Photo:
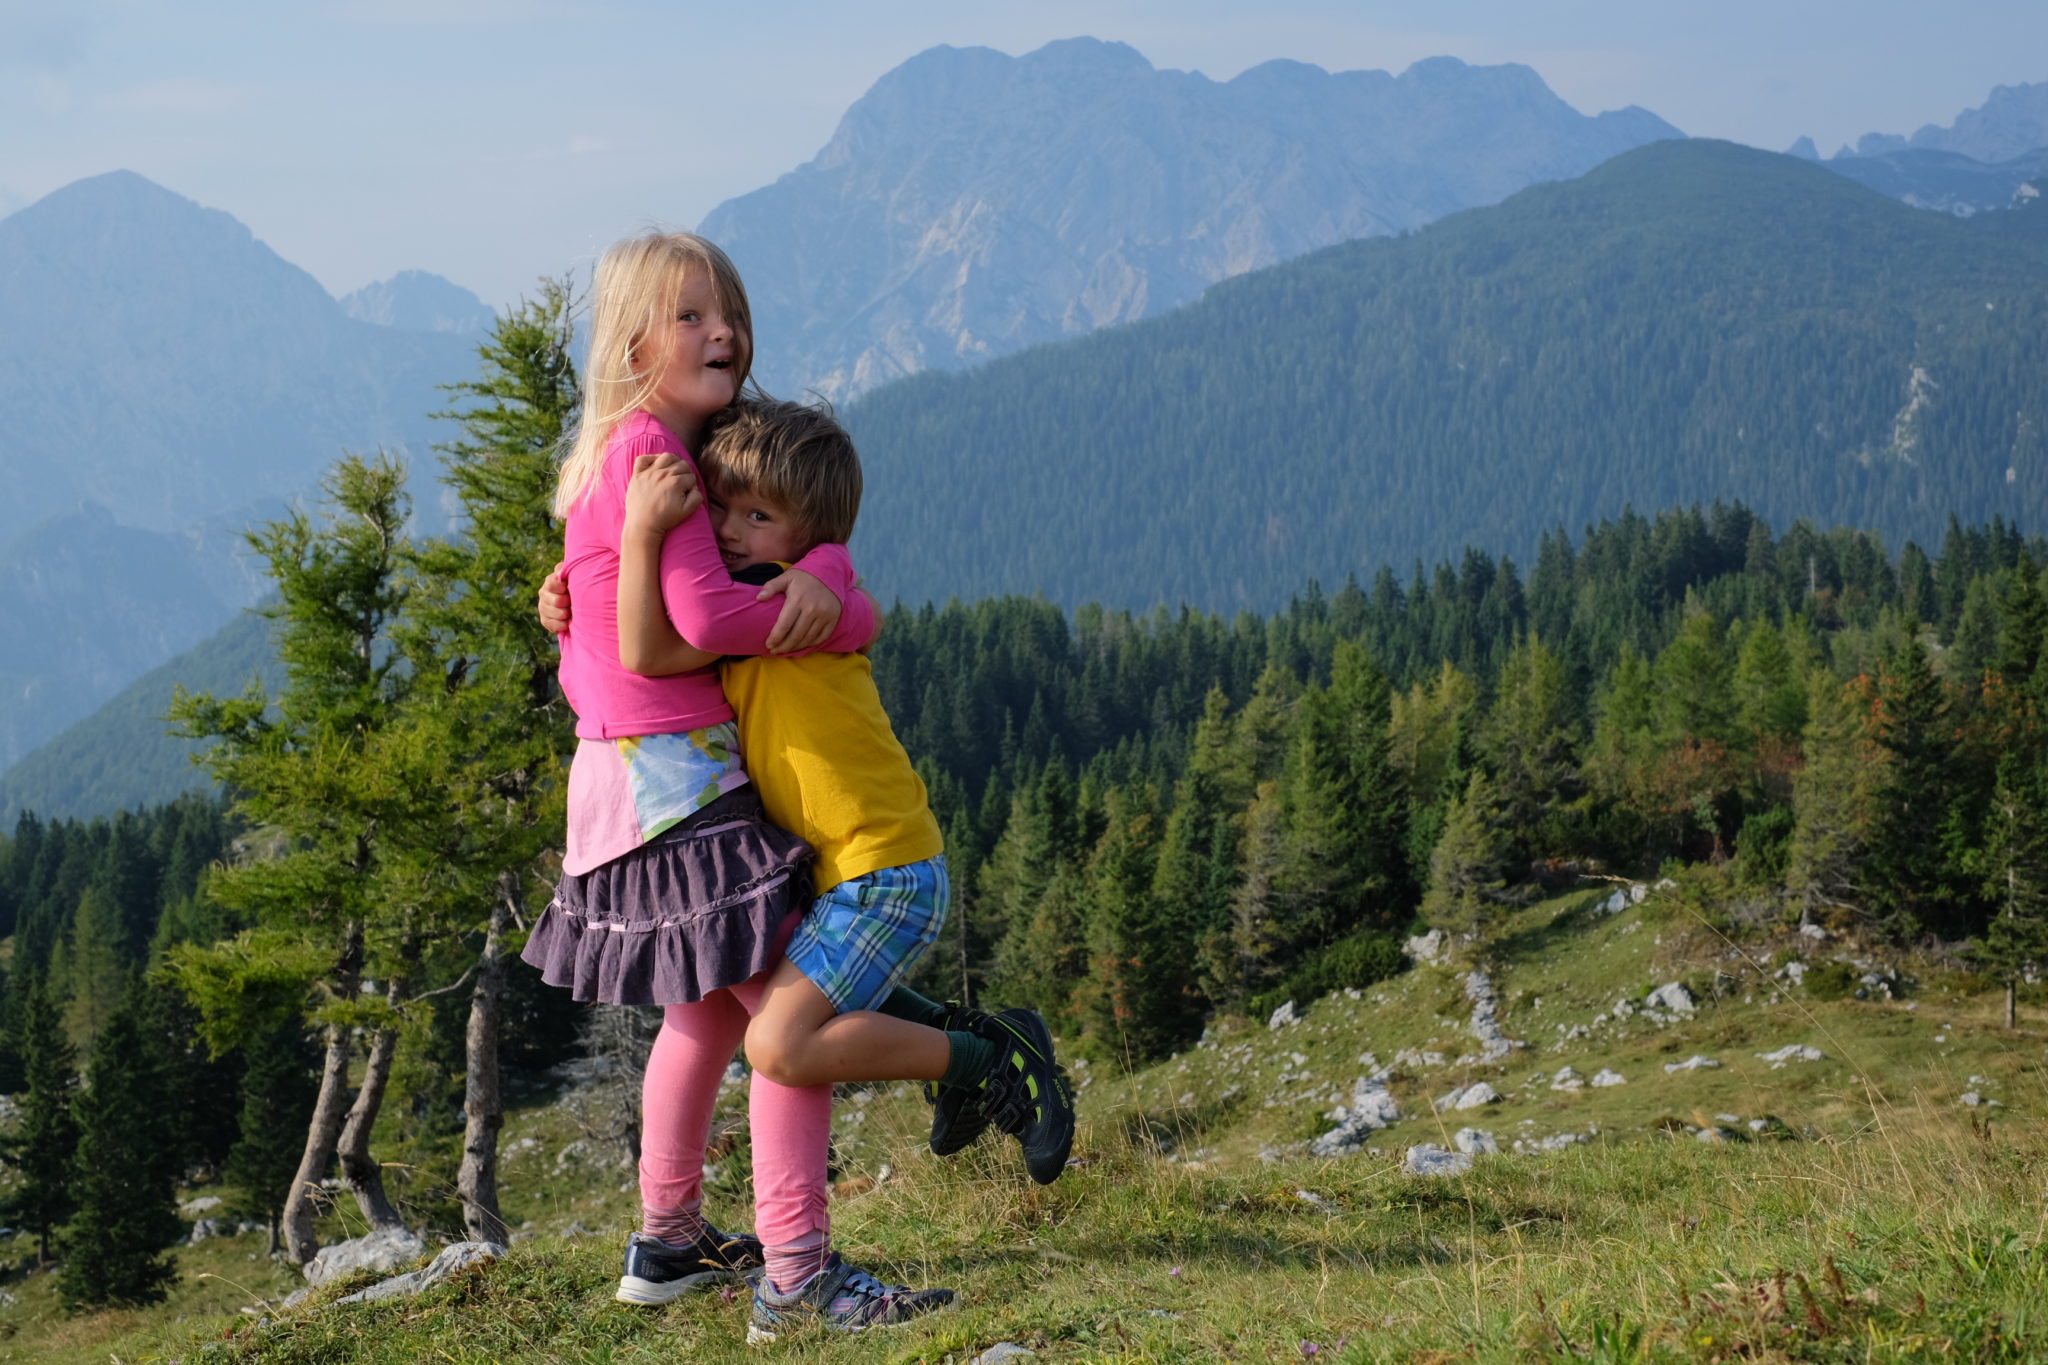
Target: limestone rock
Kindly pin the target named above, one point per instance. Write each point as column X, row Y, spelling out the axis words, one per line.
column 1792, row 1052
column 1429, row 1159
column 1604, row 1078
column 1476, row 1096
column 452, row 1258
column 1671, row 997
column 1475, row 1142
column 383, row 1249
column 1283, row 1016
column 1696, row 1062
column 1431, row 947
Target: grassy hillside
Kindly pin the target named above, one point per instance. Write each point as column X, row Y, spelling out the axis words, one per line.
column 1691, row 321
column 1876, row 1218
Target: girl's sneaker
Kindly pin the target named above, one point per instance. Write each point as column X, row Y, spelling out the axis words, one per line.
column 839, row 1298
column 657, row 1272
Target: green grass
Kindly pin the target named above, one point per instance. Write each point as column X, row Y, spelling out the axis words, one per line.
column 1904, row 1227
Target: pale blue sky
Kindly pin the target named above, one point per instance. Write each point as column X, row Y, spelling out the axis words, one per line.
column 494, row 140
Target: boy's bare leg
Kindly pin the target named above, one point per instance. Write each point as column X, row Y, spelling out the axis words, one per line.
column 797, row 1039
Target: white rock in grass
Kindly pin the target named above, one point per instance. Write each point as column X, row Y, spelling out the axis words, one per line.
column 1475, row 1142
column 1792, row 1052
column 1671, row 996
column 1692, row 1063
column 452, row 1258
column 1429, row 1159
column 1447, row 1100
column 1001, row 1352
column 384, row 1249
column 1477, row 1095
column 1971, row 1099
column 1814, row 932
column 192, row 1208
column 1604, row 1078
column 1567, row 1079
column 1283, row 1016
column 1429, row 947
column 209, row 1227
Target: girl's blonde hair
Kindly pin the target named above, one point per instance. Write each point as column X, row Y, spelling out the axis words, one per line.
column 638, row 283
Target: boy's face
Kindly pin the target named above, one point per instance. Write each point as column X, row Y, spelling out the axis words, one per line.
column 752, row 530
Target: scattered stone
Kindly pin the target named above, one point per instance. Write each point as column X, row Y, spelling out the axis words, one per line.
column 1372, row 1108
column 1692, row 1063
column 1980, row 1080
column 1814, row 932
column 1494, row 1044
column 1429, row 1159
column 297, row 1297
column 1475, row 1142
column 1792, row 1052
column 1283, row 1016
column 1408, row 1059
column 1003, row 1351
column 452, row 1258
column 1556, row 1143
column 1446, row 1100
column 192, row 1208
column 1314, row 1200
column 1717, row 1134
column 209, row 1227
column 1604, row 1078
column 1971, row 1099
column 1615, row 903
column 383, row 1249
column 1672, row 996
column 1431, row 947
column 1624, row 1008
column 1567, row 1079
column 1476, row 1096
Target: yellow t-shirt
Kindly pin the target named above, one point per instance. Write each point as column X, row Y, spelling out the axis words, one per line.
column 828, row 767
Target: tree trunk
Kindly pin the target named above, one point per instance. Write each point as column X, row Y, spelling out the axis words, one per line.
column 484, row 1115
column 365, row 1177
column 329, row 1113
column 2012, row 1003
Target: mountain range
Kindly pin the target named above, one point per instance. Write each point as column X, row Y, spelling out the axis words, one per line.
column 1691, row 321
column 973, row 203
column 1978, row 162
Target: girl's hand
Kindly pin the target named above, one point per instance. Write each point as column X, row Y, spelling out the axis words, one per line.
column 553, row 602
column 810, row 611
column 663, row 491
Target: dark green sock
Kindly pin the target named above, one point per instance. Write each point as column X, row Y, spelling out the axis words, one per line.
column 973, row 1058
column 905, row 1003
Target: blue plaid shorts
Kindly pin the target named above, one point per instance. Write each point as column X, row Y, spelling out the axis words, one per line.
column 860, row 937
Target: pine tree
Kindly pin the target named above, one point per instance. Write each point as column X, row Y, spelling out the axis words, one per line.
column 1530, row 738
column 1834, row 795
column 1465, row 869
column 1136, row 1006
column 127, row 1214
column 1910, row 872
column 496, row 734
column 2015, row 866
column 279, row 1086
column 324, row 764
column 90, row 966
column 1249, row 958
column 44, row 1151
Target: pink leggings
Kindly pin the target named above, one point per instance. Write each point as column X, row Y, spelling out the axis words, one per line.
column 791, row 1127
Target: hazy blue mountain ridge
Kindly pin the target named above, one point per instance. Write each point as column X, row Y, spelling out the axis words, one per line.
column 167, row 379
column 2011, row 122
column 418, row 301
column 1973, row 165
column 972, row 203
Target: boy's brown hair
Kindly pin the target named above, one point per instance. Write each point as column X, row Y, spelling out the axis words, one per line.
column 791, row 454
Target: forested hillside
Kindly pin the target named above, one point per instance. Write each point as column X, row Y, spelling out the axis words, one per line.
column 1691, row 321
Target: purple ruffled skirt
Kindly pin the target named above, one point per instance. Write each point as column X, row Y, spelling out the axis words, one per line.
column 695, row 909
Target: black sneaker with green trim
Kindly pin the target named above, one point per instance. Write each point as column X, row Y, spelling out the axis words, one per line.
column 1027, row 1095
column 958, row 1120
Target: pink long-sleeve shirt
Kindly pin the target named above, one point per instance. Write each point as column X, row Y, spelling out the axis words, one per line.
column 708, row 609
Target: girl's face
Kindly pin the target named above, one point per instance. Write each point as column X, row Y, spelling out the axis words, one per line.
column 694, row 359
